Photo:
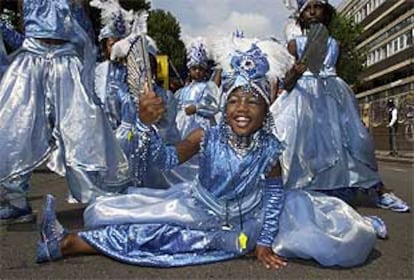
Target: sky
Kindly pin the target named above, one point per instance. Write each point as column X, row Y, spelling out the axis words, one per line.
column 209, row 18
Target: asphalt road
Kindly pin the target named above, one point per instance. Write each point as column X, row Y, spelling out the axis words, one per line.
column 391, row 259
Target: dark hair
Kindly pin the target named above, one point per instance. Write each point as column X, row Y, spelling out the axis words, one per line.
column 390, row 102
column 330, row 13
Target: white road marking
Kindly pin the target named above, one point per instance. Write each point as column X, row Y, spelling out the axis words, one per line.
column 400, row 170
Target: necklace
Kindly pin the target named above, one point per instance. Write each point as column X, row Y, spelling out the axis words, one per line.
column 242, row 145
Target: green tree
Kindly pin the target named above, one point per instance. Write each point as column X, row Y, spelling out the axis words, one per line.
column 164, row 28
column 351, row 61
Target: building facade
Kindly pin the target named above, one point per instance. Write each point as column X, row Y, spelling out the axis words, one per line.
column 387, row 38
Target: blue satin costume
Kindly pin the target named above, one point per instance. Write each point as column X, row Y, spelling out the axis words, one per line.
column 112, row 90
column 200, row 221
column 206, row 102
column 204, row 95
column 49, row 111
column 328, row 147
column 4, row 59
column 11, row 38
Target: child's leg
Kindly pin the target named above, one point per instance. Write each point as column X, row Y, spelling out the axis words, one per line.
column 72, row 245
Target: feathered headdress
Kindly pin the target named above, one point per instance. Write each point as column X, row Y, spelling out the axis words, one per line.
column 197, row 53
column 115, row 20
column 251, row 64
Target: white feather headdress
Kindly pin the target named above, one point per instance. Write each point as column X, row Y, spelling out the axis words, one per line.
column 116, row 21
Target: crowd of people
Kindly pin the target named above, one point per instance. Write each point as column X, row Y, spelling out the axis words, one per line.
column 261, row 154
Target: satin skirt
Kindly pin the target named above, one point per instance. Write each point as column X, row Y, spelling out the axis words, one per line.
column 323, row 228
column 166, row 228
column 327, row 145
column 44, row 107
column 172, row 228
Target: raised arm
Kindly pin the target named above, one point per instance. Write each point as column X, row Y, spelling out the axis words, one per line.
column 296, row 71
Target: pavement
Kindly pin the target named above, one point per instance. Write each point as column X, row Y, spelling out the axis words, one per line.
column 401, row 157
column 390, row 259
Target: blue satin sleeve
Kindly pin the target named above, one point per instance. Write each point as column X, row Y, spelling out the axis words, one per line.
column 273, row 205
column 163, row 156
column 11, row 37
column 159, row 154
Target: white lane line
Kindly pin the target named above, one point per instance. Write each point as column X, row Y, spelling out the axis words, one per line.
column 400, row 170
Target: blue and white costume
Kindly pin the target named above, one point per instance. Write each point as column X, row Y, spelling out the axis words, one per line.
column 11, row 37
column 202, row 94
column 201, row 221
column 205, row 96
column 4, row 58
column 47, row 105
column 122, row 113
column 112, row 89
column 328, row 147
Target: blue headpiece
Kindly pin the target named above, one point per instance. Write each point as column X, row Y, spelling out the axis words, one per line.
column 303, row 3
column 197, row 55
column 115, row 20
column 249, row 71
column 251, row 64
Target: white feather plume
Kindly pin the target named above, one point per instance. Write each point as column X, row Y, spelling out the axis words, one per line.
column 280, row 60
column 121, row 48
column 109, row 8
column 292, row 29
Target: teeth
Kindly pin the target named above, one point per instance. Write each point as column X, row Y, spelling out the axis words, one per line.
column 242, row 121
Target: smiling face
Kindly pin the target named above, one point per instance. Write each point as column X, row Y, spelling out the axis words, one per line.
column 245, row 112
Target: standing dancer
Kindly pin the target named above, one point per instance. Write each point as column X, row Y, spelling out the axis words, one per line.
column 48, row 111
column 198, row 101
column 328, row 147
column 113, row 90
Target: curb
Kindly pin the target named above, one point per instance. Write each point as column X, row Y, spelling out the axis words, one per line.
column 395, row 159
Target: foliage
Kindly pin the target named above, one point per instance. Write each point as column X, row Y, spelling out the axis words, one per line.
column 351, row 61
column 164, row 28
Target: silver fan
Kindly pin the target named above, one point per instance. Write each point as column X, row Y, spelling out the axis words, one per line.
column 316, row 47
column 138, row 62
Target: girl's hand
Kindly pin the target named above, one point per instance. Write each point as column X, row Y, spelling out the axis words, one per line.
column 269, row 259
column 190, row 110
column 151, row 107
column 293, row 75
